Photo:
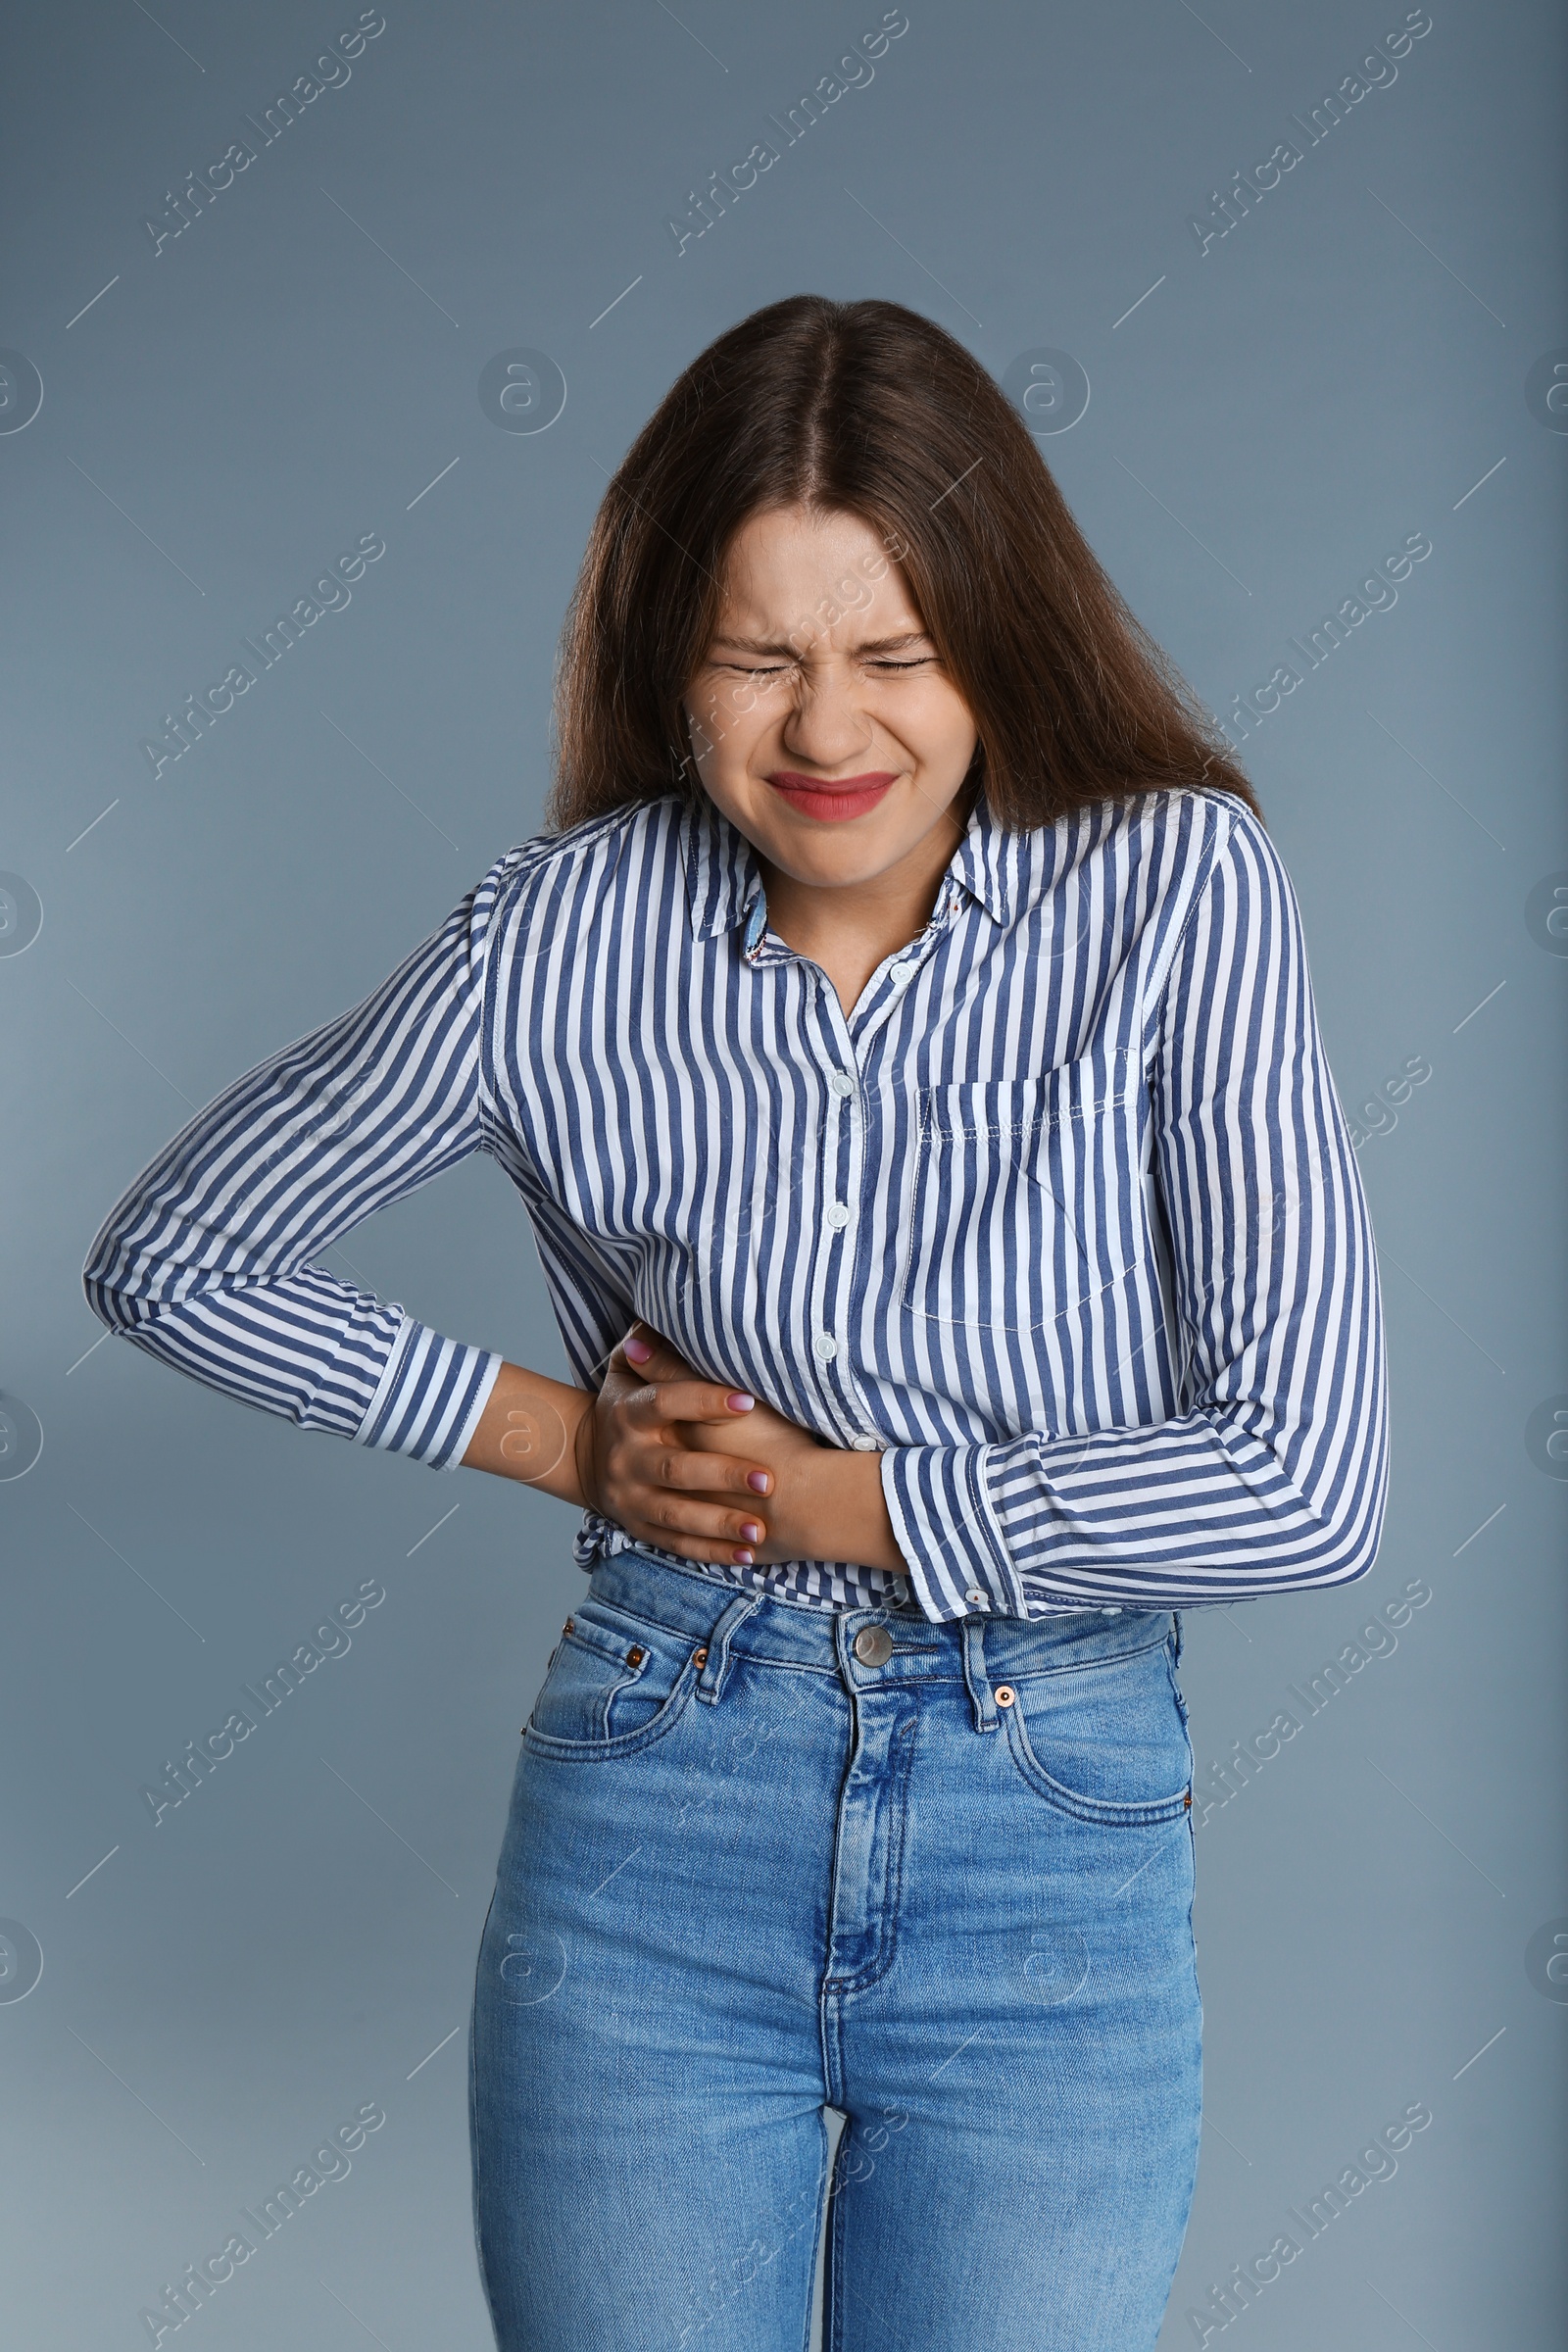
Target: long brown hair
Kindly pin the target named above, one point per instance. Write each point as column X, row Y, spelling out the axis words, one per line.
column 867, row 408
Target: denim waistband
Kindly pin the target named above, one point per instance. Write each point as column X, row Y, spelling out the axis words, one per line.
column 786, row 1632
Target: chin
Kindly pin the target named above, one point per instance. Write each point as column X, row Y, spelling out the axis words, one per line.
column 837, row 861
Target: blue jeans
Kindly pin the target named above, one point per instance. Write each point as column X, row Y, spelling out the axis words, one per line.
column 762, row 1859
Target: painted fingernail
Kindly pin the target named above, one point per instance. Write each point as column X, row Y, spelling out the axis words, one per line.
column 752, row 1532
column 756, row 1480
column 737, row 1401
column 639, row 1351
column 743, row 1559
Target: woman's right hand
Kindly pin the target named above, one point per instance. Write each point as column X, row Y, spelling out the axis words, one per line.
column 637, row 1466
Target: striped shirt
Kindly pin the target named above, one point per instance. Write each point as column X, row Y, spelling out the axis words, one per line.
column 1061, row 1219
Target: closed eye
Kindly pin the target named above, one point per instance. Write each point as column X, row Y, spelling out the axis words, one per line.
column 781, row 669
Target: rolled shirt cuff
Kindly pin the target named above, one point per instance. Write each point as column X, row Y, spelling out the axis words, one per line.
column 430, row 1397
column 944, row 1523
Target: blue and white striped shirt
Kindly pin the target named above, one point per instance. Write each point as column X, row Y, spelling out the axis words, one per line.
column 1062, row 1218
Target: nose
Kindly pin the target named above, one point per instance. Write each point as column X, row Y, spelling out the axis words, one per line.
column 825, row 727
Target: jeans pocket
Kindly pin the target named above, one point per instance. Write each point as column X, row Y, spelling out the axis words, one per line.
column 614, row 1684
column 1106, row 1741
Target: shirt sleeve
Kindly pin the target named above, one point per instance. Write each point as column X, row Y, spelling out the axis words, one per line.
column 1273, row 1477
column 205, row 1261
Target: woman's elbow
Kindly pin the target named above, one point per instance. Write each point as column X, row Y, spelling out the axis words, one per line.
column 105, row 1292
column 1352, row 1532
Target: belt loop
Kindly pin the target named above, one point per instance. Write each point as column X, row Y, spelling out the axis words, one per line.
column 974, row 1674
column 1176, row 1621
column 711, row 1682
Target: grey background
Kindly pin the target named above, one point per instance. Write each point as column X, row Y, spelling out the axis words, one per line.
column 292, row 371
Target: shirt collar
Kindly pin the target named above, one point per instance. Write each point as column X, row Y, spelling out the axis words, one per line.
column 723, row 877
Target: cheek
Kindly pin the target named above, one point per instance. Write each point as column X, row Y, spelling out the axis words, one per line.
column 730, row 714
column 935, row 724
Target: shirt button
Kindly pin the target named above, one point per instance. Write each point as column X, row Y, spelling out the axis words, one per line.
column 827, row 1347
column 976, row 1601
column 863, row 1444
column 840, row 1084
column 838, row 1216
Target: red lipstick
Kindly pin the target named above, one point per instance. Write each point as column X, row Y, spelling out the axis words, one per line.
column 833, row 800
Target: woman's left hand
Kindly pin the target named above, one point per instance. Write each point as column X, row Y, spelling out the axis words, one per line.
column 643, row 1463
column 821, row 1501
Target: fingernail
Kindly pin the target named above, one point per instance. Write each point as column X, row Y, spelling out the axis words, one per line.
column 743, row 1559
column 639, row 1351
column 752, row 1532
column 737, row 1401
column 756, row 1480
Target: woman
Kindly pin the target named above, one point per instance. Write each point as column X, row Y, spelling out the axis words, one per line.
column 902, row 1043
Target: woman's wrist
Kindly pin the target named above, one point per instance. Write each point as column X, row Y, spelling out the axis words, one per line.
column 532, row 1430
column 837, row 1511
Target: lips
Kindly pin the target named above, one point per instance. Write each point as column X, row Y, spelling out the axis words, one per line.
column 831, row 801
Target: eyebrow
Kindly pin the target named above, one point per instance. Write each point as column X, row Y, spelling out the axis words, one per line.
column 786, row 651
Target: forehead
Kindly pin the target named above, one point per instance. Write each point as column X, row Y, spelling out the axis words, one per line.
column 786, row 560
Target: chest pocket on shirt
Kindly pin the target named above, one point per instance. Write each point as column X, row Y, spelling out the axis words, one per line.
column 1027, row 1198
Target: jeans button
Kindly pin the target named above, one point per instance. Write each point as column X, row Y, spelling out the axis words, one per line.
column 873, row 1646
